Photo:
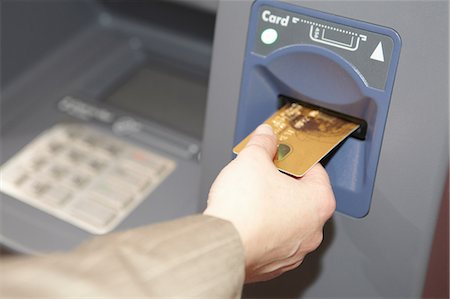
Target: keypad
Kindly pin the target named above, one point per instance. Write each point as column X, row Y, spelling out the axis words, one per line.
column 83, row 176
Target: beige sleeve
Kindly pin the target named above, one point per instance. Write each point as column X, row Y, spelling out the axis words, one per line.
column 197, row 256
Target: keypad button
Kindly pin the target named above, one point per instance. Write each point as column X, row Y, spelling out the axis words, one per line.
column 57, row 195
column 58, row 171
column 113, row 188
column 90, row 210
column 146, row 162
column 73, row 132
column 21, row 179
column 105, row 145
column 14, row 175
column 114, row 149
column 77, row 181
column 36, row 187
column 55, row 147
column 138, row 169
column 97, row 165
column 142, row 158
column 111, row 196
column 110, row 148
column 75, row 156
column 90, row 141
column 129, row 176
column 39, row 162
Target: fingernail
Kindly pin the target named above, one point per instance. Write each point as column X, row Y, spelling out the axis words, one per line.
column 264, row 129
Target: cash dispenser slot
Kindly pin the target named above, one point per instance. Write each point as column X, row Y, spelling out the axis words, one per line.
column 360, row 133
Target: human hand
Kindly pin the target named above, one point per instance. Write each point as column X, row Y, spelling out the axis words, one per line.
column 280, row 218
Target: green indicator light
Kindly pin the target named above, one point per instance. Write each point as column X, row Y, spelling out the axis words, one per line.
column 269, row 36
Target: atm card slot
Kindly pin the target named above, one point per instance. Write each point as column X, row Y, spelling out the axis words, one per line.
column 360, row 133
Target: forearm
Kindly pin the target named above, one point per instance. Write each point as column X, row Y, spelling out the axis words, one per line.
column 197, row 256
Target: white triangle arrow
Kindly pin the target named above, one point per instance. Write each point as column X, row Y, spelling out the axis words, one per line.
column 378, row 53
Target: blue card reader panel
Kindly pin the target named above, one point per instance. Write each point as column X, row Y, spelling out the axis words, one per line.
column 340, row 64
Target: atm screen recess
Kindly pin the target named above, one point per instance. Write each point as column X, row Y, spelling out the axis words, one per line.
column 342, row 66
column 142, row 103
column 149, row 93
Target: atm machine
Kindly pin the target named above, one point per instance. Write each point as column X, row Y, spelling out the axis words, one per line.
column 133, row 99
column 384, row 64
column 103, row 107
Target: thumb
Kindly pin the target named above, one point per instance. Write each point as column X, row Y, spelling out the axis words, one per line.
column 262, row 141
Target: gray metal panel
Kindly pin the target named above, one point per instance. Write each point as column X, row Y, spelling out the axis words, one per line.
column 29, row 107
column 223, row 93
column 386, row 253
column 26, row 39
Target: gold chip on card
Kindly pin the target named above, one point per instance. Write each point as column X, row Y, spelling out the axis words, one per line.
column 305, row 136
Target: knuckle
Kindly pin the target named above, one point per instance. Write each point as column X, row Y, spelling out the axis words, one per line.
column 314, row 242
column 288, row 265
column 330, row 205
column 263, row 140
column 326, row 204
column 319, row 175
column 292, row 266
column 254, row 151
column 317, row 240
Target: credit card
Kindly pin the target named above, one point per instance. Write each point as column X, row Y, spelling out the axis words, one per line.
column 305, row 136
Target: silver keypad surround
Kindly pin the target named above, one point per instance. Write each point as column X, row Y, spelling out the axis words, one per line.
column 83, row 176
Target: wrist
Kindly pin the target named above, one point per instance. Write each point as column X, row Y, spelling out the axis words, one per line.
column 239, row 228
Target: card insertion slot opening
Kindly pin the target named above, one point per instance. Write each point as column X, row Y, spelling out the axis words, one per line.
column 360, row 133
